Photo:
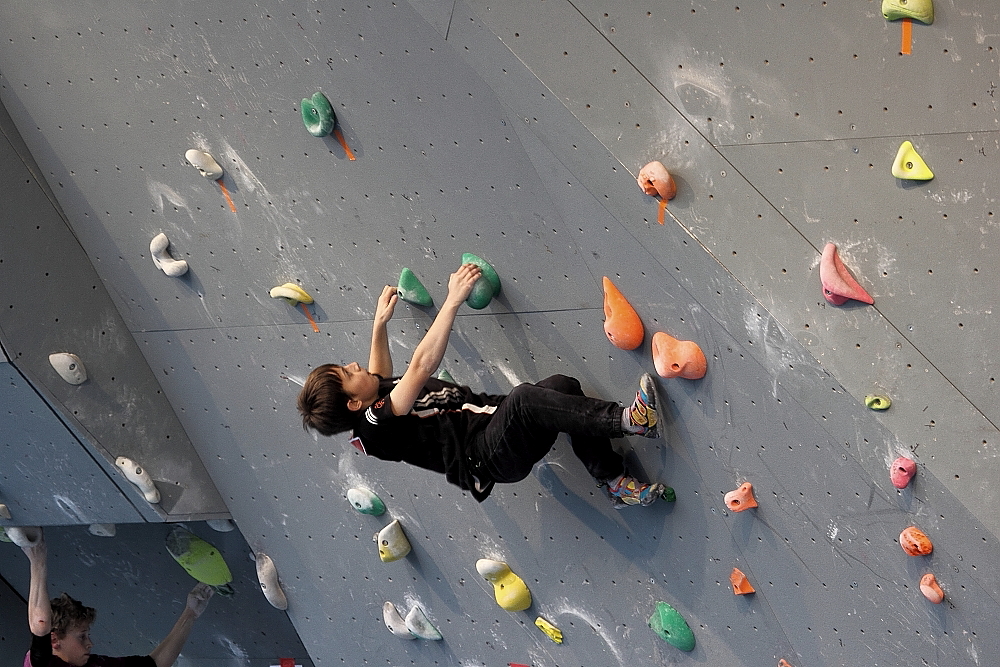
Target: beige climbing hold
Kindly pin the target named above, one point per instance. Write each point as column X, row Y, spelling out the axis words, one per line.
column 392, row 542
column 421, row 626
column 4, row 512
column 24, row 536
column 102, row 529
column 204, row 163
column 291, row 293
column 69, row 367
column 395, row 622
column 930, row 588
column 136, row 474
column 162, row 259
column 510, row 590
column 267, row 575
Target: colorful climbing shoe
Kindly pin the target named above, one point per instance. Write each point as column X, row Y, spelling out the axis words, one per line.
column 915, row 542
column 654, row 179
column 392, row 542
column 741, row 498
column 909, row 165
column 395, row 622
column 162, row 259
column 902, row 471
column 621, row 323
column 204, row 163
column 741, row 585
column 626, row 491
column 136, row 474
column 919, row 10
column 267, row 576
column 877, row 402
column 671, row 627
column 411, row 290
column 488, row 285
column 366, row 502
column 678, row 358
column 930, row 588
column 291, row 294
column 317, row 115
column 640, row 417
column 510, row 590
column 200, row 559
column 69, row 367
column 838, row 283
column 551, row 631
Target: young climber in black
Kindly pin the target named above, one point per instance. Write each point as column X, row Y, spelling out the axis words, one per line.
column 476, row 440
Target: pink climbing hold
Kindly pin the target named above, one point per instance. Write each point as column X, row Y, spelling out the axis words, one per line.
column 654, row 179
column 902, row 471
column 931, row 589
column 838, row 283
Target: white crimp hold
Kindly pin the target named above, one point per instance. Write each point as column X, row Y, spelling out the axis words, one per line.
column 102, row 529
column 418, row 623
column 69, row 367
column 138, row 476
column 395, row 622
column 162, row 259
column 24, row 536
column 221, row 525
column 204, row 163
column 4, row 511
column 267, row 575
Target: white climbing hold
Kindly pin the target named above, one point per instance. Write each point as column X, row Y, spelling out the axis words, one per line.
column 395, row 622
column 162, row 259
column 291, row 294
column 267, row 575
column 418, row 623
column 69, row 367
column 4, row 512
column 24, row 536
column 102, row 529
column 221, row 525
column 365, row 501
column 138, row 476
column 204, row 163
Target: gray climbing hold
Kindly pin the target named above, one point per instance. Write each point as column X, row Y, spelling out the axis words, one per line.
column 421, row 626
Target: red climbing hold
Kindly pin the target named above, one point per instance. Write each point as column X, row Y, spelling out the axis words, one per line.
column 838, row 283
column 621, row 323
column 902, row 471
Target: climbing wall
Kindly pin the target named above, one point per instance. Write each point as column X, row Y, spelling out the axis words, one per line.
column 515, row 131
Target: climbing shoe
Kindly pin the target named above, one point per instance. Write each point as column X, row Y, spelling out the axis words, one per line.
column 640, row 417
column 625, row 491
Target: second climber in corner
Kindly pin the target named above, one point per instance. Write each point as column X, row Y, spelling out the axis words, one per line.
column 476, row 440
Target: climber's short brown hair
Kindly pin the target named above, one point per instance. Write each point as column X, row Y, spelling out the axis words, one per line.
column 323, row 403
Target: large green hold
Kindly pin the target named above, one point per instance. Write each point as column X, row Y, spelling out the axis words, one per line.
column 201, row 560
column 411, row 290
column 919, row 10
column 317, row 115
column 488, row 285
column 668, row 623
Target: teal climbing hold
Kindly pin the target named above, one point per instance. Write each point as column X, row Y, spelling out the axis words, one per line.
column 446, row 376
column 366, row 502
column 920, row 10
column 488, row 285
column 668, row 623
column 317, row 115
column 411, row 290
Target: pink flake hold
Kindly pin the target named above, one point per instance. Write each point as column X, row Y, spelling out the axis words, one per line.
column 838, row 283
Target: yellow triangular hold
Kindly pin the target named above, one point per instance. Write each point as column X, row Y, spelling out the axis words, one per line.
column 909, row 165
column 920, row 10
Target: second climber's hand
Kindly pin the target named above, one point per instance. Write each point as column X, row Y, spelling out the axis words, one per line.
column 461, row 282
column 198, row 598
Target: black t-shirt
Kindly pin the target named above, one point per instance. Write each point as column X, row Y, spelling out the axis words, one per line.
column 40, row 655
column 435, row 434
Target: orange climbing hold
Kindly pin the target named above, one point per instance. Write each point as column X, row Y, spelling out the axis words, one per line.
column 915, row 542
column 621, row 323
column 654, row 179
column 741, row 585
column 930, row 588
column 678, row 358
column 784, row 663
column 838, row 283
column 742, row 498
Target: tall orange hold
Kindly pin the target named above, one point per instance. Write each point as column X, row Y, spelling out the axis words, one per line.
column 621, row 322
column 741, row 585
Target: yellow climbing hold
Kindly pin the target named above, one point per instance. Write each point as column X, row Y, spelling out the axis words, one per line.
column 553, row 633
column 291, row 293
column 920, row 10
column 909, row 165
column 511, row 592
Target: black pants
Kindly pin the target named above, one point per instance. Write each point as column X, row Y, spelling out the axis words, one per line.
column 526, row 424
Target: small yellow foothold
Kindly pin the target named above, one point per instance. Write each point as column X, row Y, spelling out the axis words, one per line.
column 909, row 165
column 554, row 633
column 291, row 294
column 511, row 592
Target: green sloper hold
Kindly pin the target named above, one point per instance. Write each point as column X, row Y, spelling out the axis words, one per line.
column 411, row 290
column 668, row 623
column 317, row 115
column 488, row 285
column 877, row 401
column 919, row 10
column 201, row 560
column 446, row 376
column 366, row 502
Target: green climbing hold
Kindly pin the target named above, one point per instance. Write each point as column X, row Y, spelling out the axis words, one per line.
column 411, row 290
column 919, row 10
column 669, row 494
column 366, row 502
column 446, row 376
column 668, row 623
column 488, row 285
column 318, row 116
column 201, row 560
column 877, row 402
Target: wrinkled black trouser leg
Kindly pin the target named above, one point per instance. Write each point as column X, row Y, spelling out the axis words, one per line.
column 527, row 422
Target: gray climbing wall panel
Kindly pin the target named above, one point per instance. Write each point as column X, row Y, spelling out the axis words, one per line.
column 514, row 131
